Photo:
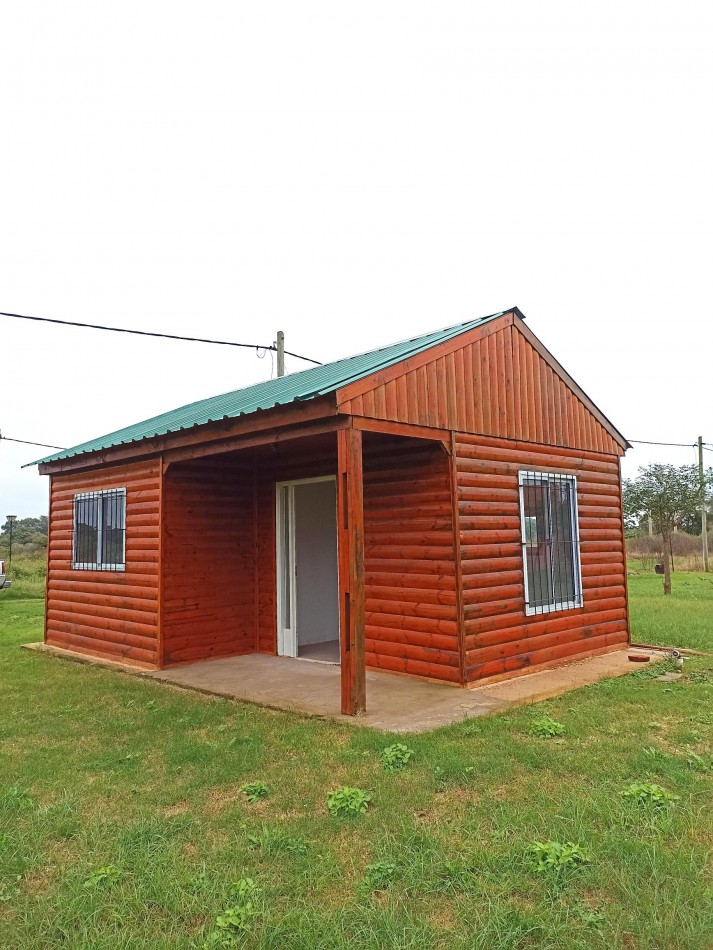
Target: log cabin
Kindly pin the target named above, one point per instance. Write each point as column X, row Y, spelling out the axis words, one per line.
column 447, row 507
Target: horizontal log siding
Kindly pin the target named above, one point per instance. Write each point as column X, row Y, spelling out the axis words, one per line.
column 208, row 578
column 499, row 637
column 410, row 585
column 109, row 614
column 497, row 386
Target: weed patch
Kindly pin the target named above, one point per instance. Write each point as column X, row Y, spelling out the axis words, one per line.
column 396, row 757
column 648, row 795
column 546, row 728
column 556, row 860
column 254, row 791
column 348, row 802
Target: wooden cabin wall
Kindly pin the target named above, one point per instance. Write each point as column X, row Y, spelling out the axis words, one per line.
column 109, row 614
column 409, row 559
column 498, row 385
column 208, row 575
column 499, row 637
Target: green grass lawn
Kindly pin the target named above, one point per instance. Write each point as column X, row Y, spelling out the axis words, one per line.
column 122, row 823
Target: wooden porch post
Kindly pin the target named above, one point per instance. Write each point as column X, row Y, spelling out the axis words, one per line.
column 350, row 514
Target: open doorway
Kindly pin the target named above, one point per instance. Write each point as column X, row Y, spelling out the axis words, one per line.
column 307, row 573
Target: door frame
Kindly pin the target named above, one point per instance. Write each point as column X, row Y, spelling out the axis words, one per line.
column 288, row 637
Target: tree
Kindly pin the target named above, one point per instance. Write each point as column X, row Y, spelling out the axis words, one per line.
column 670, row 494
column 25, row 531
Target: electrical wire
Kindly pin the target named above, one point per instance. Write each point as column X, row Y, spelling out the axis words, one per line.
column 44, row 445
column 685, row 445
column 163, row 336
column 680, row 445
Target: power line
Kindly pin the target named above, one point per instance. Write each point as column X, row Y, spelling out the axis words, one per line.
column 680, row 445
column 44, row 445
column 163, row 336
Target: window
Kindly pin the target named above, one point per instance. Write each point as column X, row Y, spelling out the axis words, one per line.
column 550, row 542
column 100, row 530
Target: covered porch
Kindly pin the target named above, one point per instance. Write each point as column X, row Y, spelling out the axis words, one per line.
column 329, row 542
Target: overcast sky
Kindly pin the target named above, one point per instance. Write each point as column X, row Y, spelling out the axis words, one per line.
column 353, row 174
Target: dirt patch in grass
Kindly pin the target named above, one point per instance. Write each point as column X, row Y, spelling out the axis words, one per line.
column 38, row 880
column 217, row 799
column 179, row 808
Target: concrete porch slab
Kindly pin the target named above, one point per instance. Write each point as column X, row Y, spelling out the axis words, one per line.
column 394, row 703
column 399, row 704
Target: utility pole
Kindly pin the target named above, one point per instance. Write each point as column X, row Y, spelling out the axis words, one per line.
column 280, row 353
column 11, row 519
column 704, row 517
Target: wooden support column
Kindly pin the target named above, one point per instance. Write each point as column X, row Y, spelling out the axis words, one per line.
column 350, row 514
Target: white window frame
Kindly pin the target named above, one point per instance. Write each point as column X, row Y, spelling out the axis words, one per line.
column 533, row 477
column 97, row 565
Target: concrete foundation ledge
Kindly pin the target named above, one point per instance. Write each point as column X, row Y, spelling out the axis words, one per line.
column 398, row 704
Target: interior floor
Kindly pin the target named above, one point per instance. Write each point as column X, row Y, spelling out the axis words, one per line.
column 328, row 651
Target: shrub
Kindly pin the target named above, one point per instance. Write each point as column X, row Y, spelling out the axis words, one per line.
column 396, row 757
column 546, row 728
column 348, row 802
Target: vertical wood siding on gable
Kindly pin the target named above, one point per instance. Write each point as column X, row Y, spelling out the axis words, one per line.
column 110, row 614
column 499, row 636
column 410, row 583
column 498, row 386
column 208, row 576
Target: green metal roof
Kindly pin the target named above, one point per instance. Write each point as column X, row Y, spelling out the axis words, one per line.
column 304, row 385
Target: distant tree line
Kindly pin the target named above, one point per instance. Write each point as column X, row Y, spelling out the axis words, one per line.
column 28, row 534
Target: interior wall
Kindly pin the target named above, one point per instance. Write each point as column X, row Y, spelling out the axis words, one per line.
column 316, row 562
column 208, row 561
column 409, row 554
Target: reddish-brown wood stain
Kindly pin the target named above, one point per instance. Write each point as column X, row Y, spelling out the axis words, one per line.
column 427, row 455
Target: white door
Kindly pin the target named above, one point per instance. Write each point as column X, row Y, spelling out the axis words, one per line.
column 307, row 578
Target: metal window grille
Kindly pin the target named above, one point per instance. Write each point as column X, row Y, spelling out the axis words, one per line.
column 550, row 542
column 100, row 530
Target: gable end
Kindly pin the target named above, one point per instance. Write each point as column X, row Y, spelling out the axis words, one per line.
column 496, row 380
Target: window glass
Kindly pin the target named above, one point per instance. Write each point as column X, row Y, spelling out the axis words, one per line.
column 550, row 541
column 99, row 530
column 86, row 529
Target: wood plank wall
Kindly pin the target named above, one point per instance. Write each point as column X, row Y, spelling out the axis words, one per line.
column 499, row 637
column 111, row 614
column 498, row 386
column 208, row 577
column 411, row 617
column 410, row 584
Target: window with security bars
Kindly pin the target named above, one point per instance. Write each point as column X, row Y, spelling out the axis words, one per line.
column 550, row 542
column 100, row 530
